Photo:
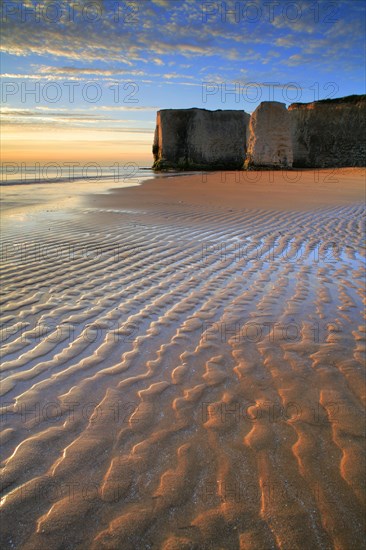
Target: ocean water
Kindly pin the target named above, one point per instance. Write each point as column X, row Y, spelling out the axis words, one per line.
column 27, row 174
column 23, row 186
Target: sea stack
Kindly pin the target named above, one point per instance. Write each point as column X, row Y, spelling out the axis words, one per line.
column 329, row 133
column 199, row 139
column 269, row 140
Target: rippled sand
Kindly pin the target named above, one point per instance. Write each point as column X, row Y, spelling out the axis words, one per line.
column 183, row 368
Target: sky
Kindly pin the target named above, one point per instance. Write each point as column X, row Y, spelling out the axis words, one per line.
column 82, row 80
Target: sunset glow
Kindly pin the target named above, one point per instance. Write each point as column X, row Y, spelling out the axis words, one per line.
column 84, row 80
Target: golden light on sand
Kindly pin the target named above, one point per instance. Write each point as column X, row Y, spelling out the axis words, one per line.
column 185, row 364
column 182, row 275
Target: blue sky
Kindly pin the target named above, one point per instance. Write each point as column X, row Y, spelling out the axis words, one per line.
column 99, row 70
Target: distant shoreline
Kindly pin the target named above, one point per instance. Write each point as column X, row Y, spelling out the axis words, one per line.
column 269, row 190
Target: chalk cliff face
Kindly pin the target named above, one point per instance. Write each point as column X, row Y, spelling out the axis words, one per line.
column 326, row 133
column 329, row 133
column 269, row 141
column 195, row 139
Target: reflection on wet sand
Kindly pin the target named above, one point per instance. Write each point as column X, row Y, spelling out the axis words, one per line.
column 186, row 377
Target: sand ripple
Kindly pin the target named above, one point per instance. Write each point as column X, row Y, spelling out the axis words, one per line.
column 187, row 379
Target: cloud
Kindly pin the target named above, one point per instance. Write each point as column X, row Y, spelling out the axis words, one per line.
column 286, row 42
column 162, row 28
column 168, row 76
column 44, row 69
column 124, row 108
column 295, row 59
column 172, row 37
column 162, row 3
column 47, row 117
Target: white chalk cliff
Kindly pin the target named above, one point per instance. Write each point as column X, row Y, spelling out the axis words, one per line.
column 329, row 133
column 269, row 140
column 195, row 139
column 323, row 133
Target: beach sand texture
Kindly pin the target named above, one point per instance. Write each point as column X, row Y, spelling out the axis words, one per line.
column 183, row 365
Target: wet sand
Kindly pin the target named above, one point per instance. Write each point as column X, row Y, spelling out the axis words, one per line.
column 183, row 365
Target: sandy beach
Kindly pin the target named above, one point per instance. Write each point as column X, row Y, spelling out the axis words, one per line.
column 182, row 365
